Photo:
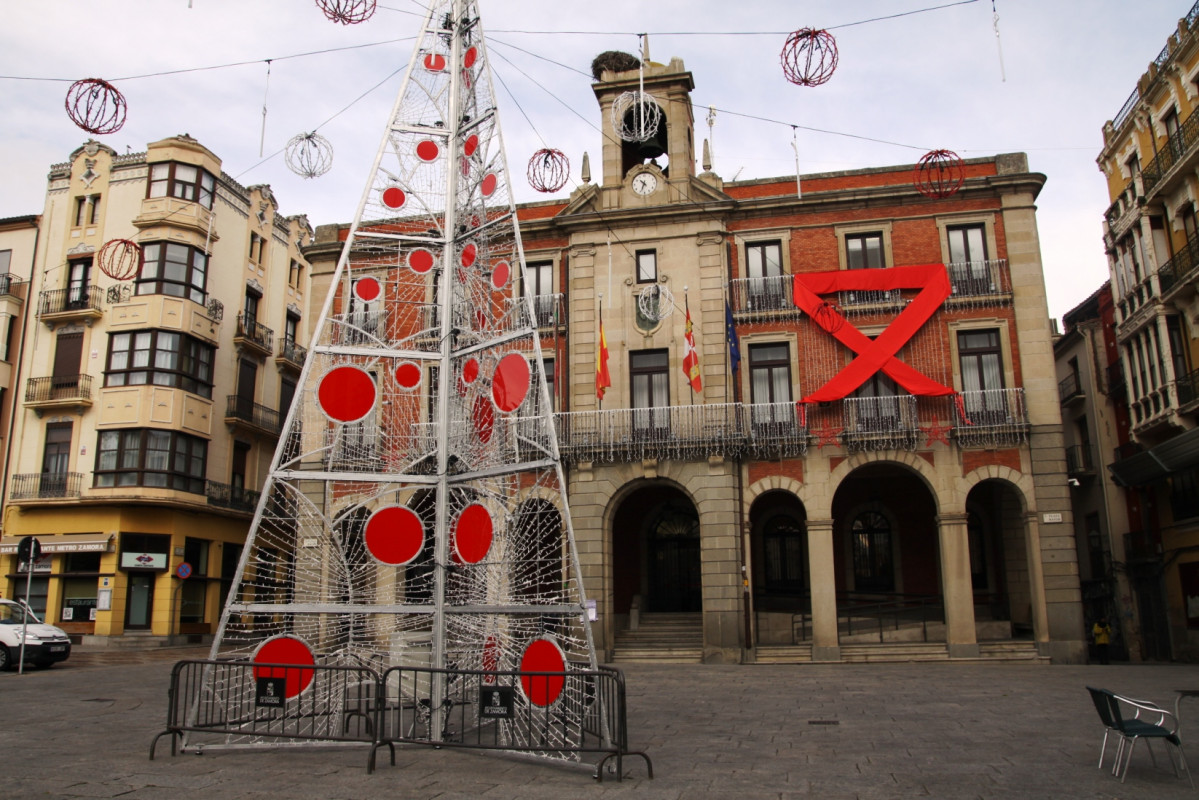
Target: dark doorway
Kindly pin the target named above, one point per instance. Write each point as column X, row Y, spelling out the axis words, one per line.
column 656, row 547
column 139, row 605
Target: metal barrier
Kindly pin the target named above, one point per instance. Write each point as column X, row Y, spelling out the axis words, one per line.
column 240, row 704
column 559, row 715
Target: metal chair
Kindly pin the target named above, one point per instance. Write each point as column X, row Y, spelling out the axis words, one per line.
column 1102, row 700
column 1156, row 724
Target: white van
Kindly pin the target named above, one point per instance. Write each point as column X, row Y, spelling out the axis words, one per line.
column 45, row 645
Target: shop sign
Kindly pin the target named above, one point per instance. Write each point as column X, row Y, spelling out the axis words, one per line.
column 143, row 560
column 41, row 565
column 496, row 702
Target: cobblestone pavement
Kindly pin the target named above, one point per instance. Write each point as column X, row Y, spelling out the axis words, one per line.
column 83, row 730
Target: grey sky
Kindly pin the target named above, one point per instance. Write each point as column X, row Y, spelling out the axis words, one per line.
column 919, row 82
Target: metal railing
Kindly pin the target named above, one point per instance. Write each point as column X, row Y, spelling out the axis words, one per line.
column 764, row 297
column 254, row 331
column 1126, row 109
column 224, row 495
column 246, row 410
column 871, row 297
column 992, row 417
column 63, row 301
column 978, row 278
column 549, row 310
column 885, row 422
column 1080, row 460
column 859, row 613
column 623, row 434
column 1068, row 388
column 58, row 388
column 293, row 353
column 1178, row 146
column 13, row 285
column 46, row 485
column 1187, row 388
column 1181, row 267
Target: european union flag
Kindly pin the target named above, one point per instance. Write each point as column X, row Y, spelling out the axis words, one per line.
column 730, row 331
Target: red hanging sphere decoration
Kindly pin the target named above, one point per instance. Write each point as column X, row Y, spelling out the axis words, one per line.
column 96, row 106
column 809, row 57
column 939, row 174
column 548, row 170
column 120, row 259
column 347, row 12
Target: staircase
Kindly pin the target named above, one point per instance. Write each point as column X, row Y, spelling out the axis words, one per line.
column 1001, row 652
column 662, row 639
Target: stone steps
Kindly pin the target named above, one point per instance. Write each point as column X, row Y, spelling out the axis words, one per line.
column 1004, row 652
column 662, row 638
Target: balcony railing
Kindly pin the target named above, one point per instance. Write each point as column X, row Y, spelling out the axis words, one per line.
column 1153, row 408
column 13, row 286
column 225, row 495
column 1177, row 147
column 79, row 299
column 991, row 417
column 254, row 332
column 1188, row 389
column 549, row 310
column 46, row 485
column 1126, row 109
column 871, row 297
column 240, row 408
column 1068, row 388
column 774, row 430
column 293, row 353
column 59, row 389
column 888, row 422
column 628, row 434
column 979, row 278
column 1080, row 460
column 1134, row 299
column 761, row 298
column 1182, row 267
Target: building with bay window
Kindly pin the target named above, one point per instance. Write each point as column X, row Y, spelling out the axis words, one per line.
column 1150, row 158
column 151, row 391
column 870, row 464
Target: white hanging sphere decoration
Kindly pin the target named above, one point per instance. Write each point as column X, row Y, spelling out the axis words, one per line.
column 309, row 155
column 655, row 302
column 643, row 121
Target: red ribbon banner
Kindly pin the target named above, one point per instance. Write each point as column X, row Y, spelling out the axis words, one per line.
column 872, row 355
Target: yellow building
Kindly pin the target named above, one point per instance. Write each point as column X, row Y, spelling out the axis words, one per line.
column 1151, row 159
column 151, row 401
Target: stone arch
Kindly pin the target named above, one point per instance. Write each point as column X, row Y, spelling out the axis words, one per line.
column 655, row 546
column 923, row 470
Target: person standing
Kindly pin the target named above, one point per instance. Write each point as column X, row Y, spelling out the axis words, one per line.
column 1102, row 634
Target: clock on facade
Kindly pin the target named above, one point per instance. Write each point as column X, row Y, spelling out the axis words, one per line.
column 645, row 183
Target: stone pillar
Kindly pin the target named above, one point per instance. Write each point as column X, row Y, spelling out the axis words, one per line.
column 1036, row 578
column 822, row 578
column 957, row 588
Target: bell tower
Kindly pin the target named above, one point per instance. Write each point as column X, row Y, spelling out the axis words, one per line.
column 661, row 168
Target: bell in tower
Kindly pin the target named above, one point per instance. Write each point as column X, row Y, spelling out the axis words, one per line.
column 635, row 153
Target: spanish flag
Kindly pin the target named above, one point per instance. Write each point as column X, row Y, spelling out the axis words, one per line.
column 602, row 379
column 691, row 358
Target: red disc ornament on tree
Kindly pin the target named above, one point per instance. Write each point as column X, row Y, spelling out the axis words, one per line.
column 809, row 57
column 548, row 170
column 96, row 106
column 347, row 12
column 120, row 259
column 939, row 174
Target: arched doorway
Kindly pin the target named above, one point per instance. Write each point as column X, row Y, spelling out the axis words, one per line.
column 999, row 565
column 886, row 540
column 779, row 552
column 656, row 551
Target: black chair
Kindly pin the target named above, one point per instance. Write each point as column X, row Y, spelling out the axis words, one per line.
column 1156, row 724
column 1102, row 700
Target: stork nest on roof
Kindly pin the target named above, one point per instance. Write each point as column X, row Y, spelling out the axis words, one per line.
column 613, row 61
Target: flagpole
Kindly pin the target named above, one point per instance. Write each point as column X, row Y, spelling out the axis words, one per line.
column 687, row 308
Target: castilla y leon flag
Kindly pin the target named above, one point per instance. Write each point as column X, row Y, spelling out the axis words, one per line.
column 602, row 379
column 691, row 358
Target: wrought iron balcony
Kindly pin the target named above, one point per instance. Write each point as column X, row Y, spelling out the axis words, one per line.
column 753, row 299
column 225, row 495
column 629, row 434
column 78, row 301
column 991, row 418
column 1183, row 267
column 46, row 485
column 1080, row 460
column 253, row 333
column 13, row 286
column 979, row 279
column 292, row 354
column 1188, row 389
column 1177, row 148
column 549, row 310
column 59, row 390
column 885, row 298
column 239, row 409
column 1068, row 389
column 1126, row 110
column 888, row 422
column 774, row 430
